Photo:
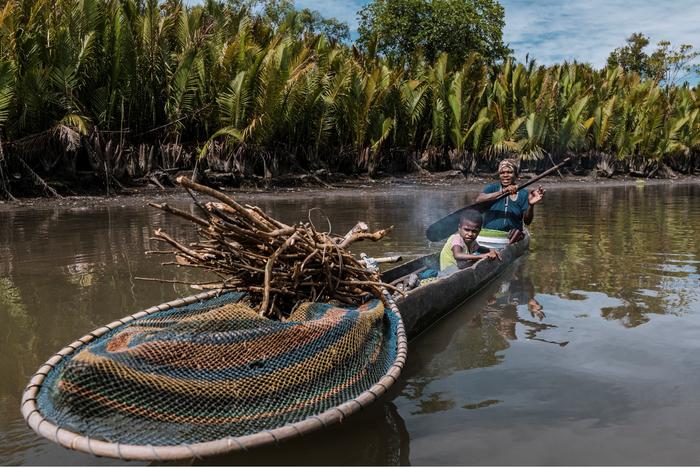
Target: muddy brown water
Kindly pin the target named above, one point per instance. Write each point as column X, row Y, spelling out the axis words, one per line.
column 586, row 351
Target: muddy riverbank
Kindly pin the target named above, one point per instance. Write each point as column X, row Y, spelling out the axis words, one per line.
column 313, row 186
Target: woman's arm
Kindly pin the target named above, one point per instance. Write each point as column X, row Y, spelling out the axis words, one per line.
column 484, row 197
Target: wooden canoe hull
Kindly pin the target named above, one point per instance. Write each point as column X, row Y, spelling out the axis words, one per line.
column 423, row 306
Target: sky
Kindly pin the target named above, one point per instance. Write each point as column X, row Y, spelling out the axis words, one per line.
column 552, row 31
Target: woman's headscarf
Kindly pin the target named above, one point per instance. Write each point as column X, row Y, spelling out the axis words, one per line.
column 510, row 164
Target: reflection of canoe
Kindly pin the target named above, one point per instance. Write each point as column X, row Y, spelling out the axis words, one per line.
column 422, row 306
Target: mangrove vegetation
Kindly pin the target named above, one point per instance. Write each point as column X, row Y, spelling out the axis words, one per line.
column 111, row 91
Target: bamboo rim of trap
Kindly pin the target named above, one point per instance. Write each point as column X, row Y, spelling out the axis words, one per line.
column 39, row 424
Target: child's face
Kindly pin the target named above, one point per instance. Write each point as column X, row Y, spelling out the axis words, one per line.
column 469, row 230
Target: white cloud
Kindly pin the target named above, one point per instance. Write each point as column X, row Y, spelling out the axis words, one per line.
column 556, row 30
column 553, row 30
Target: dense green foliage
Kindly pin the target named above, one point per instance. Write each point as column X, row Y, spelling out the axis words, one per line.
column 666, row 64
column 400, row 29
column 121, row 82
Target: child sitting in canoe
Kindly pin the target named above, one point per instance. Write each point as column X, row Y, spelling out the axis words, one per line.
column 461, row 249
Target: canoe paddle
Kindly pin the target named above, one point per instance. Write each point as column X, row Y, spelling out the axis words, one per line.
column 447, row 226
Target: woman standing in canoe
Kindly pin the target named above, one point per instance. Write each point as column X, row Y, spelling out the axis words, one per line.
column 509, row 213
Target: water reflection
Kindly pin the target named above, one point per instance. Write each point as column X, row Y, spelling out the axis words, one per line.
column 376, row 436
column 622, row 241
column 584, row 346
column 505, row 309
column 474, row 337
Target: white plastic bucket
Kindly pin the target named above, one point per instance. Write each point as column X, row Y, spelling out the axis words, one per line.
column 492, row 239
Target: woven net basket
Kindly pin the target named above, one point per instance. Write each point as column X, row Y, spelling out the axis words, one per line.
column 207, row 375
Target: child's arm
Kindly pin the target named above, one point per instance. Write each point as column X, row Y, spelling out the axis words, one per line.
column 493, row 254
column 459, row 255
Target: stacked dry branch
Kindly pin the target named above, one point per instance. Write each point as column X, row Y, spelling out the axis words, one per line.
column 277, row 264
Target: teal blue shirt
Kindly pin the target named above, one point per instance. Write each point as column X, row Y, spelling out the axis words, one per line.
column 505, row 214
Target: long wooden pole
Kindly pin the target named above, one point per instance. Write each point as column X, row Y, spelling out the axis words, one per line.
column 528, row 183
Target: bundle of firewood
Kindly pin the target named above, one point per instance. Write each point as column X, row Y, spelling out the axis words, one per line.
column 277, row 264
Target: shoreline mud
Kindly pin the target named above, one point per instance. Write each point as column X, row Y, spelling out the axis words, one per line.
column 451, row 180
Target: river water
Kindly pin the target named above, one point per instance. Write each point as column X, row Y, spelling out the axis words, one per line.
column 586, row 351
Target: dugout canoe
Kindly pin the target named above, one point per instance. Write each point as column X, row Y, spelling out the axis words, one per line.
column 423, row 306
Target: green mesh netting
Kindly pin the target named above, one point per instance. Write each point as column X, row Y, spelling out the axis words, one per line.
column 217, row 369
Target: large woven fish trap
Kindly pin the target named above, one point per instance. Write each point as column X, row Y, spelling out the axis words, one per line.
column 208, row 375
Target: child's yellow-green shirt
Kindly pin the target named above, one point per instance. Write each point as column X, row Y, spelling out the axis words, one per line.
column 447, row 258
